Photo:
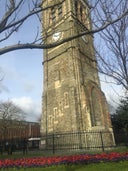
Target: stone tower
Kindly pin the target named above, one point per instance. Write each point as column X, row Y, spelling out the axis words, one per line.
column 72, row 96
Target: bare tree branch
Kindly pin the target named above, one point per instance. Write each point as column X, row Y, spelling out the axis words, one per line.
column 47, row 46
column 109, row 19
column 36, row 10
column 8, row 113
column 115, row 63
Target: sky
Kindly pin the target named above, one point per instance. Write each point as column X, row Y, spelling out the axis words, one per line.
column 23, row 70
column 22, row 83
column 23, row 74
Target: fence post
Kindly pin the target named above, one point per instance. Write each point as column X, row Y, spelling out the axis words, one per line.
column 53, row 143
column 102, row 143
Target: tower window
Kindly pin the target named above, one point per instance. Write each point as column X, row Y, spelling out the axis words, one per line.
column 50, row 121
column 66, row 99
column 60, row 11
column 81, row 13
column 76, row 7
column 56, row 75
column 60, row 107
column 55, row 113
column 53, row 14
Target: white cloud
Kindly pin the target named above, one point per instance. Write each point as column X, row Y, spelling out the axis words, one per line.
column 31, row 108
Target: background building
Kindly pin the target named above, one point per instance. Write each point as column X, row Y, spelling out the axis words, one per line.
column 17, row 131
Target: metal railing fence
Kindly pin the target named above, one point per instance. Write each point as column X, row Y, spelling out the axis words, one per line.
column 99, row 140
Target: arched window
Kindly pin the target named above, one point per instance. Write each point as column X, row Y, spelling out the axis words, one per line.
column 76, row 7
column 55, row 113
column 81, row 13
column 53, row 14
column 96, row 111
column 66, row 99
column 59, row 11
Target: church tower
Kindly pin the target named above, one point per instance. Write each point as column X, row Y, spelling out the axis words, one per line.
column 72, row 97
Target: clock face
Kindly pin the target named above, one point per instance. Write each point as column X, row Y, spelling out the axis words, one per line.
column 85, row 39
column 56, row 36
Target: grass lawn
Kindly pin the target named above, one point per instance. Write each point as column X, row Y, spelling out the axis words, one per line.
column 42, row 153
column 120, row 166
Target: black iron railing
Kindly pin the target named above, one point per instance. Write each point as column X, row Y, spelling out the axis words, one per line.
column 78, row 141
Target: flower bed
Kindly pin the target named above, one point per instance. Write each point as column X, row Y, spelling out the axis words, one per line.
column 73, row 159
